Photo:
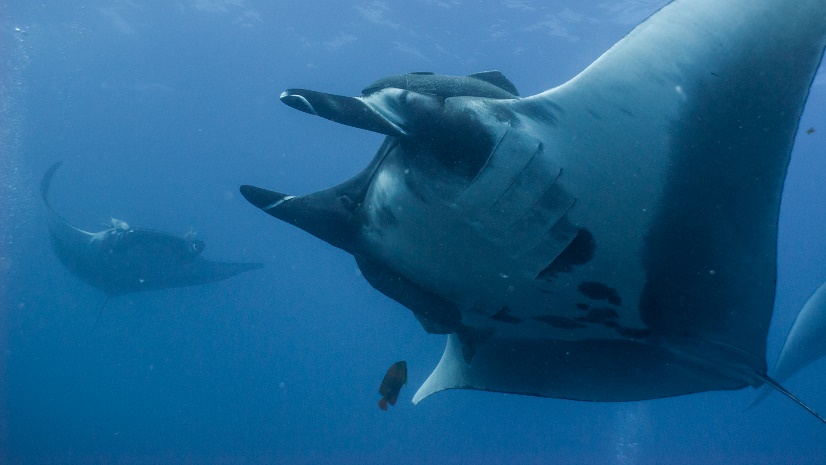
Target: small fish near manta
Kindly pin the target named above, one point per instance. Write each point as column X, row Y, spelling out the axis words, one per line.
column 122, row 260
column 394, row 379
column 610, row 239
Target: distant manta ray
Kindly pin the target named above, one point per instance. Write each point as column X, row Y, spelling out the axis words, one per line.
column 610, row 239
column 122, row 260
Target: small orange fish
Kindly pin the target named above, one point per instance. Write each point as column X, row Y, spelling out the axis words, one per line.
column 392, row 383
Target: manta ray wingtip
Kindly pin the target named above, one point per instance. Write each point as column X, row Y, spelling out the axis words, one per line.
column 47, row 179
column 804, row 344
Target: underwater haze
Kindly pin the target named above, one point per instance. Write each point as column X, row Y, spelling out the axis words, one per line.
column 161, row 110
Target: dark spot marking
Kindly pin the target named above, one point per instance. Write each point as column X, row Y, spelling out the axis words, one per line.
column 599, row 315
column 633, row 332
column 559, row 322
column 579, row 252
column 599, row 291
column 504, row 317
column 582, row 307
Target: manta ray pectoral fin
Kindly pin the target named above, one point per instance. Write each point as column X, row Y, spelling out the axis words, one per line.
column 55, row 221
column 660, row 101
column 806, row 342
column 46, row 182
column 61, row 230
column 588, row 369
column 449, row 373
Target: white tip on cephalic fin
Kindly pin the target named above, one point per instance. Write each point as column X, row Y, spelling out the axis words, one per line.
column 279, row 202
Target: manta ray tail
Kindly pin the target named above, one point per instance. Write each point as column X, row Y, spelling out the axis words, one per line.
column 777, row 387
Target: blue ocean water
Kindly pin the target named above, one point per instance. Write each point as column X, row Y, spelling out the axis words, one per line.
column 160, row 110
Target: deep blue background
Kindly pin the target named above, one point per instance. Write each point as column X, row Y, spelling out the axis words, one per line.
column 160, row 110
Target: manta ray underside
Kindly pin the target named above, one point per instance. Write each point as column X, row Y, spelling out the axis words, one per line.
column 123, row 260
column 610, row 239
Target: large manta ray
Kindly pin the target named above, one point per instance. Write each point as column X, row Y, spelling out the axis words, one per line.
column 122, row 260
column 610, row 239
